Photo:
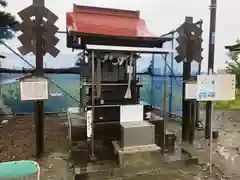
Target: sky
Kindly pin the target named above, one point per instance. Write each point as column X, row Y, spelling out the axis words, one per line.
column 161, row 17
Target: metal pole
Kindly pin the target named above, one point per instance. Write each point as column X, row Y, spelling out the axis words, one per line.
column 0, row 78
column 82, row 94
column 193, row 120
column 98, row 79
column 171, row 81
column 39, row 106
column 213, row 7
column 210, row 140
column 152, row 74
column 199, row 72
column 134, row 75
column 93, row 107
column 165, row 103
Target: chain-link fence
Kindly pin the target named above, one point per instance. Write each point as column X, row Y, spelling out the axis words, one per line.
column 64, row 88
column 153, row 79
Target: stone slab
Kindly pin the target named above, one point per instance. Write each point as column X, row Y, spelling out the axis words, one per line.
column 137, row 134
column 138, row 155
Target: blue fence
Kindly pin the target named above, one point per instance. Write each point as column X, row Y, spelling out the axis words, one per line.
column 153, row 81
column 150, row 70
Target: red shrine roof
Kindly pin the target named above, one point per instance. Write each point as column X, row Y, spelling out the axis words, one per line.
column 105, row 21
column 104, row 26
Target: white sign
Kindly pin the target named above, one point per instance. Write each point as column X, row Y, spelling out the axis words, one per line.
column 216, row 87
column 130, row 113
column 89, row 123
column 191, row 90
column 206, row 87
column 34, row 89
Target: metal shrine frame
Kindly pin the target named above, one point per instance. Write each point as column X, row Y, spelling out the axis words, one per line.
column 98, row 48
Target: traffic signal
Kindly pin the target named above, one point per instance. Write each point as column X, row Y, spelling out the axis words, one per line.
column 189, row 42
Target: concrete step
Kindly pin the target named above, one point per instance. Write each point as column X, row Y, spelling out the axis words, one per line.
column 108, row 171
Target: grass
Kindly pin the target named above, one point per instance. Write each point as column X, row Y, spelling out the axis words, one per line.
column 227, row 104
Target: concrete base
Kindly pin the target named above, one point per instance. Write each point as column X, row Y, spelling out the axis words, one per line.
column 78, row 128
column 140, row 133
column 137, row 155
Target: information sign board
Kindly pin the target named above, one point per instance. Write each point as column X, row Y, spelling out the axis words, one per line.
column 216, row 87
column 34, row 88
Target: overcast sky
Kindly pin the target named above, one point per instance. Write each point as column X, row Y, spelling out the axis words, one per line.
column 161, row 17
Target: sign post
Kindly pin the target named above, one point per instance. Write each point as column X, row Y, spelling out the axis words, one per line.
column 211, row 51
column 190, row 95
column 39, row 38
column 33, row 88
column 39, row 106
column 207, row 90
column 215, row 87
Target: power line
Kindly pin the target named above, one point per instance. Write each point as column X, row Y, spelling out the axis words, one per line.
column 8, row 27
column 21, row 57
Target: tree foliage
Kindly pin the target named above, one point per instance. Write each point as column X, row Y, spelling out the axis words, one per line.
column 80, row 59
column 8, row 23
column 233, row 64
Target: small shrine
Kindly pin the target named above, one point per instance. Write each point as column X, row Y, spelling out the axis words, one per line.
column 111, row 124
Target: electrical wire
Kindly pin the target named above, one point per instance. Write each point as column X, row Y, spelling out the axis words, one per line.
column 52, row 80
column 8, row 27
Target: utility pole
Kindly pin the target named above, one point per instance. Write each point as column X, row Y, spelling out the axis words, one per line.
column 38, row 37
column 211, row 52
column 39, row 106
column 199, row 71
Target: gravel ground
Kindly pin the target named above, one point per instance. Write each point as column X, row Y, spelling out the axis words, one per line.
column 187, row 173
column 17, row 142
column 226, row 149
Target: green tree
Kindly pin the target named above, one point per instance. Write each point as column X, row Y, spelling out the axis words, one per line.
column 80, row 58
column 8, row 23
column 233, row 63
